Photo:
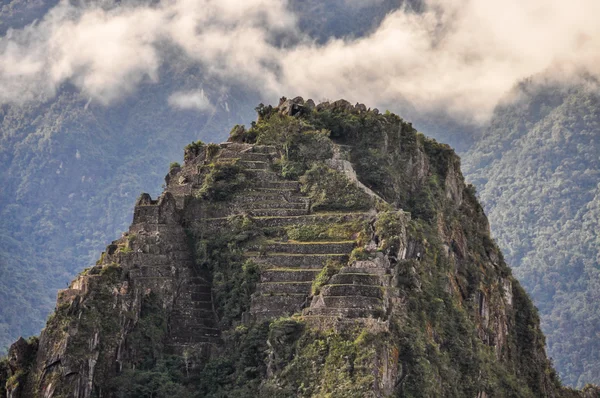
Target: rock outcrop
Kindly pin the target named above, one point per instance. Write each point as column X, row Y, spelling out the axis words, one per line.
column 327, row 251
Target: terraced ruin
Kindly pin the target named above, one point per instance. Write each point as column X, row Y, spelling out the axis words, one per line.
column 329, row 250
column 289, row 268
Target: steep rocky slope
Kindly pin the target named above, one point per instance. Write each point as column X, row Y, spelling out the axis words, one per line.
column 72, row 167
column 326, row 251
column 537, row 170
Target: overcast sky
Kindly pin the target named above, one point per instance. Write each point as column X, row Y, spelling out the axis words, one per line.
column 461, row 55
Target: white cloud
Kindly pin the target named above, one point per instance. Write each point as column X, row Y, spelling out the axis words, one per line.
column 461, row 55
column 108, row 51
column 190, row 100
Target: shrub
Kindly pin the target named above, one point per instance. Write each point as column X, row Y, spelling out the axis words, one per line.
column 222, row 181
column 212, row 150
column 192, row 150
column 331, row 268
column 329, row 189
column 359, row 254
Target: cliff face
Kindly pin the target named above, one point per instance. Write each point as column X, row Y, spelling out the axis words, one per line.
column 327, row 251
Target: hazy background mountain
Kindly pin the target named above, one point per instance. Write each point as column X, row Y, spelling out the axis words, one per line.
column 537, row 169
column 84, row 131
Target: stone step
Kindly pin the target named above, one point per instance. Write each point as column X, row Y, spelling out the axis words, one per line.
column 200, row 296
column 308, row 219
column 200, row 286
column 341, row 312
column 278, row 304
column 207, row 305
column 246, row 156
column 188, row 322
column 352, row 290
column 270, row 149
column 254, row 164
column 284, row 288
column 180, row 342
column 356, row 279
column 214, row 224
column 367, row 271
column 255, row 156
column 192, row 313
column 293, row 186
column 277, row 188
column 263, row 175
column 289, row 275
column 352, row 302
column 285, row 260
column 274, row 204
column 269, row 195
column 203, row 290
column 166, row 271
column 276, row 212
column 343, row 247
column 194, row 335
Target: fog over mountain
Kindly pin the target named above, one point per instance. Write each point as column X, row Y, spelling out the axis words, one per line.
column 461, row 56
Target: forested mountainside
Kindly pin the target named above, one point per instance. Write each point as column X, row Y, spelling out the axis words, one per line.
column 328, row 250
column 537, row 170
column 70, row 172
column 71, row 167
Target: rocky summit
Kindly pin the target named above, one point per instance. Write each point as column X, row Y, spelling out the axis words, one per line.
column 326, row 251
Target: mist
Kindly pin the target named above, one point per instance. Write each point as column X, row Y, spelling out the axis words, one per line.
column 458, row 56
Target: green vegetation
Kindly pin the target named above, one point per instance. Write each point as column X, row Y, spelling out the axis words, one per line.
column 233, row 278
column 332, row 231
column 390, row 224
column 331, row 268
column 221, row 181
column 537, row 171
column 71, row 173
column 329, row 189
column 212, row 150
column 193, row 149
column 321, row 364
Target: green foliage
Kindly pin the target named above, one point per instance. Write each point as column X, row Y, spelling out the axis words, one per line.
column 299, row 145
column 331, row 268
column 212, row 150
column 359, row 254
column 237, row 372
column 146, row 341
column 233, row 278
column 329, row 189
column 4, row 373
column 222, row 181
column 324, row 364
column 321, row 231
column 164, row 379
column 280, row 131
column 193, row 149
column 389, row 226
column 239, row 134
column 536, row 169
column 174, row 165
